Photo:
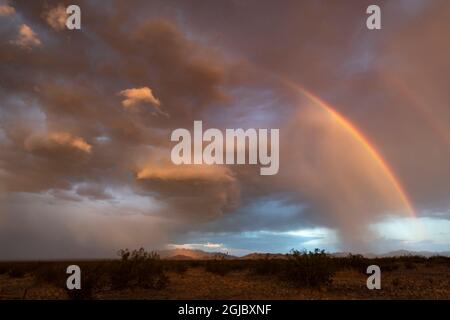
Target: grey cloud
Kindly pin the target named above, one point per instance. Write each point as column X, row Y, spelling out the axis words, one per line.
column 66, row 135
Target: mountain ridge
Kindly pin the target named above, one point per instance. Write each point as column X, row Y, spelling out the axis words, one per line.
column 196, row 254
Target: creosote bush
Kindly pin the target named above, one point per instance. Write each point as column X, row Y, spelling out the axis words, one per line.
column 267, row 266
column 218, row 266
column 138, row 268
column 309, row 269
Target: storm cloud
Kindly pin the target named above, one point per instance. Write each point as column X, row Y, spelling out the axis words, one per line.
column 86, row 117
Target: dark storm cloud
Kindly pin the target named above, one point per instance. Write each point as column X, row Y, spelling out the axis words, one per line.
column 73, row 140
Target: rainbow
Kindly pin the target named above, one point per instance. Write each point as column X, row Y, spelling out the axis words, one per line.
column 440, row 129
column 365, row 143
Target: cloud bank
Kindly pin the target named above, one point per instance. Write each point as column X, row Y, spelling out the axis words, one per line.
column 86, row 117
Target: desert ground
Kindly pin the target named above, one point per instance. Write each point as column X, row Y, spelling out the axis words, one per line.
column 305, row 276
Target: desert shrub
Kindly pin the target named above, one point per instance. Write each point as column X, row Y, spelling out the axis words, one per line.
column 51, row 273
column 138, row 269
column 4, row 267
column 180, row 267
column 267, row 266
column 438, row 260
column 218, row 266
column 92, row 277
column 416, row 259
column 194, row 263
column 17, row 272
column 409, row 265
column 222, row 266
column 356, row 262
column 20, row 269
column 309, row 269
column 89, row 281
column 387, row 264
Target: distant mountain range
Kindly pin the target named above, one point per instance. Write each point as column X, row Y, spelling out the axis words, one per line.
column 400, row 253
column 191, row 254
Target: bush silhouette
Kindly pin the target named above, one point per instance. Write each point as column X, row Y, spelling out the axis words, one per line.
column 310, row 269
column 138, row 268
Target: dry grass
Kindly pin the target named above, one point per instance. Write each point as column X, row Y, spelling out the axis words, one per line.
column 314, row 275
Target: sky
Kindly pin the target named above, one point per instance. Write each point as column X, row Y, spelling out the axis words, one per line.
column 86, row 118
